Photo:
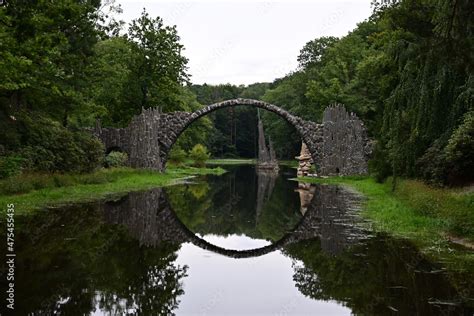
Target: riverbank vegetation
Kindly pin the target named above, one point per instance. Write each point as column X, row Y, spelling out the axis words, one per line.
column 413, row 210
column 32, row 191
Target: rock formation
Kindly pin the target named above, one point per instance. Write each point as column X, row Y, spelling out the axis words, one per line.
column 305, row 161
column 266, row 157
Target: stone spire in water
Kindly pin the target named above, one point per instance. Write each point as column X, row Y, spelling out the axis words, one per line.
column 263, row 155
column 272, row 150
column 266, row 157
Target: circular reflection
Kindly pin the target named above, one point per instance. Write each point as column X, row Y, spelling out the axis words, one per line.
column 243, row 209
column 237, row 227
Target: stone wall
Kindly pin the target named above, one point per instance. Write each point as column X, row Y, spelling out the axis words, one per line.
column 338, row 146
column 345, row 143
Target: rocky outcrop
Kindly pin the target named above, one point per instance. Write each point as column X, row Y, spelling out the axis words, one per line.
column 266, row 155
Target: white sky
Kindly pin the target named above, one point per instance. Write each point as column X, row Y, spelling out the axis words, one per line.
column 247, row 41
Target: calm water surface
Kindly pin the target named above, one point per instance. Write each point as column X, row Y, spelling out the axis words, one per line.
column 245, row 243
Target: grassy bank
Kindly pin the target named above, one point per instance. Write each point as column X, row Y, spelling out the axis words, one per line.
column 32, row 191
column 415, row 210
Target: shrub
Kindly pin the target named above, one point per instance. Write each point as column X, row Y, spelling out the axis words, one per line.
column 92, row 152
column 451, row 163
column 459, row 151
column 116, row 159
column 10, row 166
column 379, row 165
column 432, row 165
column 13, row 186
column 177, row 155
column 50, row 147
column 63, row 180
column 199, row 155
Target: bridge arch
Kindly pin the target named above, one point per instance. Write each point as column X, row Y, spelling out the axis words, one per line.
column 176, row 123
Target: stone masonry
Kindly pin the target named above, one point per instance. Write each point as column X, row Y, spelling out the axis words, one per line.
column 338, row 146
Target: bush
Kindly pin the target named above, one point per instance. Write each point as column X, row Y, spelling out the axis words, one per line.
column 10, row 166
column 50, row 147
column 116, row 159
column 459, row 151
column 26, row 182
column 92, row 152
column 451, row 163
column 379, row 165
column 177, row 155
column 432, row 165
column 199, row 155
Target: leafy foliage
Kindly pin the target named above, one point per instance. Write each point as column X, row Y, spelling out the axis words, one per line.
column 407, row 72
column 67, row 65
column 199, row 154
column 460, row 149
column 116, row 159
column 177, row 155
column 10, row 166
column 48, row 146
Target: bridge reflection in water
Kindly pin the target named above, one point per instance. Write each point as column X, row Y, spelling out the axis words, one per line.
column 329, row 215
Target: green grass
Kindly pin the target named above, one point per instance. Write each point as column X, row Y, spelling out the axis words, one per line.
column 63, row 189
column 414, row 210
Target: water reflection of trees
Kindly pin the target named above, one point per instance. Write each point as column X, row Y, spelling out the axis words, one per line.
column 71, row 262
column 379, row 276
column 252, row 204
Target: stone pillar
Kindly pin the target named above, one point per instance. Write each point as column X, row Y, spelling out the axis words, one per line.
column 144, row 135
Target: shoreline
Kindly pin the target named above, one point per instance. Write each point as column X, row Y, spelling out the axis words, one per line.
column 439, row 221
column 115, row 182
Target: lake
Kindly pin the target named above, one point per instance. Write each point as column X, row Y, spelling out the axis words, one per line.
column 244, row 243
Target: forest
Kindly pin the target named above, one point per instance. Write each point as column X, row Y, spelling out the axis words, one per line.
column 407, row 72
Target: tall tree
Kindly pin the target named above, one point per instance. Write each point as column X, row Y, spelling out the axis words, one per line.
column 51, row 44
column 159, row 67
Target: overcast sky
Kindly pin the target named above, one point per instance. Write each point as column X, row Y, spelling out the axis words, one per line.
column 247, row 41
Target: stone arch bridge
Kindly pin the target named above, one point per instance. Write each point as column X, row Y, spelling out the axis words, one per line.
column 339, row 145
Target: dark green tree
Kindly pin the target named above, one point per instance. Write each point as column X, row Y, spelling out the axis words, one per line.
column 158, row 68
